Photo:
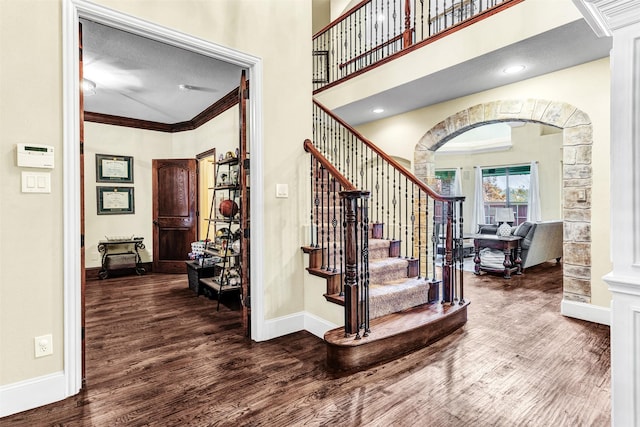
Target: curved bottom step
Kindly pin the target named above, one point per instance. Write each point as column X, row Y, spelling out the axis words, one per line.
column 393, row 335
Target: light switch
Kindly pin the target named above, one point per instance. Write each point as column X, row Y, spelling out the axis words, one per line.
column 36, row 182
column 282, row 191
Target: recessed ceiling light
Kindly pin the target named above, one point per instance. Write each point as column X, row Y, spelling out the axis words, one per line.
column 378, row 110
column 512, row 69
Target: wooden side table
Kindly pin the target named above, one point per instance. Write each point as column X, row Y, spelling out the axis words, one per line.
column 504, row 243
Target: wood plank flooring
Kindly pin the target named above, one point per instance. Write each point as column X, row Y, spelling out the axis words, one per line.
column 160, row 356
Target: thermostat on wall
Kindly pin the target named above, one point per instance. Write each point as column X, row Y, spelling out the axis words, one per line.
column 35, row 156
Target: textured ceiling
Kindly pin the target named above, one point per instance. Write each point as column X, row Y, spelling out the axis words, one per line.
column 140, row 78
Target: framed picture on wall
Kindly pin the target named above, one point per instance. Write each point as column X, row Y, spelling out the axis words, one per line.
column 115, row 200
column 112, row 168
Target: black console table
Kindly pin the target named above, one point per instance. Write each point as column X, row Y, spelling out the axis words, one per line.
column 118, row 254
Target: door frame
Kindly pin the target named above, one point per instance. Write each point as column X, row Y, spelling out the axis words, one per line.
column 72, row 11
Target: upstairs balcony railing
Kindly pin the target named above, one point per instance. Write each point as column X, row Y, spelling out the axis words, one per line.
column 375, row 30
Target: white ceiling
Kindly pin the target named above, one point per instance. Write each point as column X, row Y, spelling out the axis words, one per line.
column 139, row 78
column 566, row 46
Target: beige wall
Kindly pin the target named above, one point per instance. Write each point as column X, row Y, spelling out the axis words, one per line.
column 585, row 86
column 220, row 133
column 31, row 226
column 143, row 146
column 529, row 144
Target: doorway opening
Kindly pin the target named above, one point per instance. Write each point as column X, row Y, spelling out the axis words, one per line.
column 73, row 11
column 576, row 173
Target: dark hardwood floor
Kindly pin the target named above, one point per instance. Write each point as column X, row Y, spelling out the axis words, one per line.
column 158, row 355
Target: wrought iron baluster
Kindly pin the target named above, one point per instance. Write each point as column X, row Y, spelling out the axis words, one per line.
column 461, row 235
column 406, row 217
column 394, row 202
column 334, row 223
column 377, row 187
column 419, row 232
column 323, row 220
column 365, row 263
column 434, row 242
column 396, row 206
column 389, row 224
column 313, row 242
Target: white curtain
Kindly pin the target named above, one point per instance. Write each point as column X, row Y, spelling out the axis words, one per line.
column 457, row 182
column 534, row 212
column 478, row 205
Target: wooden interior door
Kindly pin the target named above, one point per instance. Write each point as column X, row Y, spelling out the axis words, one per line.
column 245, row 223
column 174, row 188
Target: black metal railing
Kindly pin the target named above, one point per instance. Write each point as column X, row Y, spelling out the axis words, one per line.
column 340, row 230
column 394, row 205
column 377, row 29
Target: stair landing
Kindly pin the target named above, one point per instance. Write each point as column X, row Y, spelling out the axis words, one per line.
column 393, row 335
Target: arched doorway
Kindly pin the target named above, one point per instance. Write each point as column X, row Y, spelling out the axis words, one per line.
column 576, row 174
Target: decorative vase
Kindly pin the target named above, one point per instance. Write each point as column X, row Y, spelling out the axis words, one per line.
column 504, row 229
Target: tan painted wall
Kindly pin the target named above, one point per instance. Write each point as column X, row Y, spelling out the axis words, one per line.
column 585, row 86
column 528, row 145
column 143, row 146
column 31, row 241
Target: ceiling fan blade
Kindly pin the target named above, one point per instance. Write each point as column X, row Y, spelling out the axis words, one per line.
column 196, row 88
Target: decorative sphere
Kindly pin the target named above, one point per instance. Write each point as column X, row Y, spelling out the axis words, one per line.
column 228, row 208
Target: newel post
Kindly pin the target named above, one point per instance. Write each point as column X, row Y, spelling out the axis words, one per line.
column 351, row 285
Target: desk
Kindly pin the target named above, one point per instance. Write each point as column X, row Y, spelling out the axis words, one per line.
column 120, row 254
column 503, row 243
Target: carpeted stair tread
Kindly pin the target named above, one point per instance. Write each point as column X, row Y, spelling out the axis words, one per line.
column 378, row 249
column 397, row 295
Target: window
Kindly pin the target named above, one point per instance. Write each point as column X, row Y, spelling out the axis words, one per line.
column 445, row 181
column 506, row 187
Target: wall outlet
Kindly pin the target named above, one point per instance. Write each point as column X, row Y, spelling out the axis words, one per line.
column 43, row 345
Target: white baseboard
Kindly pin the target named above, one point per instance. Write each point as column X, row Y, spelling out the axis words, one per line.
column 29, row 394
column 295, row 322
column 588, row 312
column 317, row 325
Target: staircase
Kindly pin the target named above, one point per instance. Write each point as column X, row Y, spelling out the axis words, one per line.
column 372, row 241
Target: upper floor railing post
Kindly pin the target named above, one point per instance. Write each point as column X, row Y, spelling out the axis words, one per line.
column 407, row 35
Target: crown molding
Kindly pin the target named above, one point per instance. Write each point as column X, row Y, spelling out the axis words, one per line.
column 606, row 16
column 214, row 110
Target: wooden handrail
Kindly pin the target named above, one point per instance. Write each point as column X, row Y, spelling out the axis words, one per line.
column 411, row 177
column 344, row 182
column 341, row 18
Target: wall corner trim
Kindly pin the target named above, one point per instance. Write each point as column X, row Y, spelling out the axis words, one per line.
column 588, row 312
column 31, row 393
